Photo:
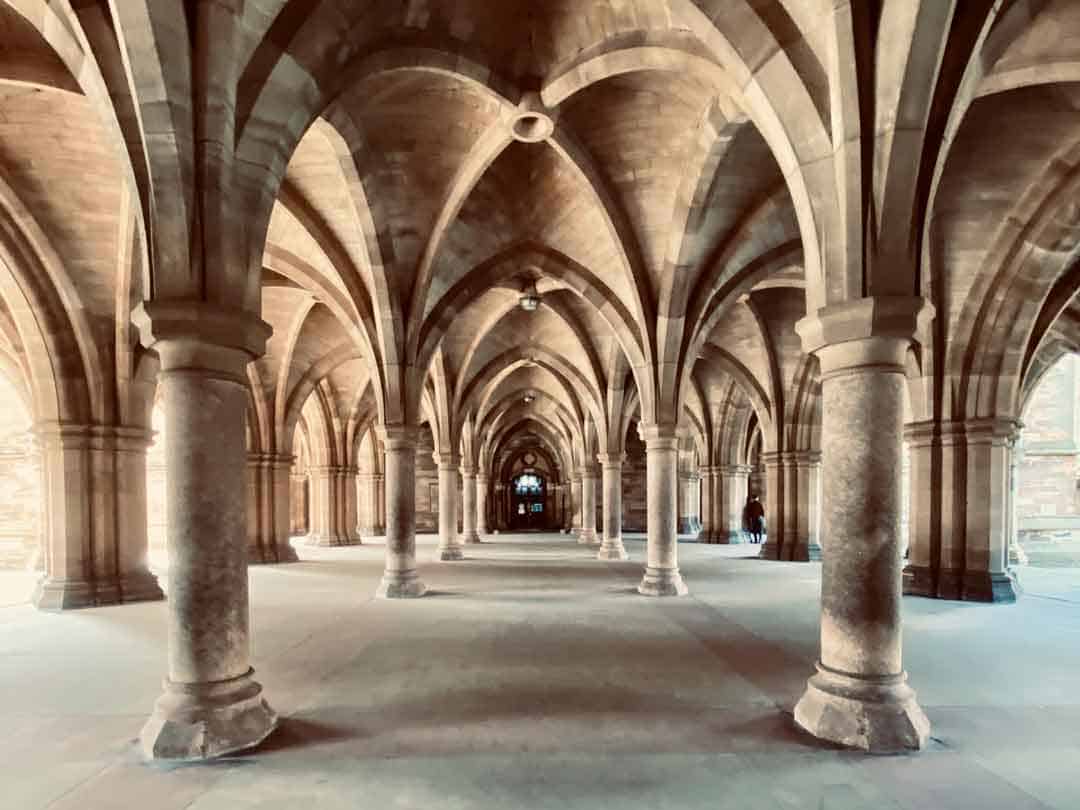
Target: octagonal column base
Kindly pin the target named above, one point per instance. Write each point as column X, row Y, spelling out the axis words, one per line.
column 197, row 721
column 877, row 715
column 662, row 582
column 451, row 553
column 612, row 549
column 400, row 585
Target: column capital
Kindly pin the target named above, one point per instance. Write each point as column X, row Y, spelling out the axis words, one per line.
column 200, row 336
column 659, row 436
column 983, row 430
column 734, row 469
column 468, row 470
column 397, row 437
column 445, row 461
column 867, row 333
column 611, row 460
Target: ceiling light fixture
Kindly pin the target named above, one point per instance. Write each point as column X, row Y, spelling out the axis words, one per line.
column 528, row 398
column 530, row 298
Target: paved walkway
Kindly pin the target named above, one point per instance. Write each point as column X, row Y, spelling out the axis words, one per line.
column 534, row 677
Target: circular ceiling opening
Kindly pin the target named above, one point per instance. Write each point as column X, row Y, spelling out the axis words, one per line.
column 532, row 127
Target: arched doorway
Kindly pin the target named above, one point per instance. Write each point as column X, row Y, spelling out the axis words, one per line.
column 528, row 503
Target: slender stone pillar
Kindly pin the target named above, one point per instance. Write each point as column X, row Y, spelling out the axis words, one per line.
column 708, row 528
column 369, row 510
column 94, row 521
column 921, row 572
column 269, row 518
column 611, row 544
column 482, row 483
column 297, row 504
column 662, row 577
column 805, row 540
column 211, row 704
column 400, row 579
column 327, row 524
column 351, row 503
column 859, row 696
column 449, row 544
column 986, row 554
column 771, row 548
column 587, row 535
column 575, row 500
column 380, row 503
column 468, row 505
column 734, row 484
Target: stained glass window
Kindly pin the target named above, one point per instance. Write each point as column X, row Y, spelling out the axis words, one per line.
column 528, row 484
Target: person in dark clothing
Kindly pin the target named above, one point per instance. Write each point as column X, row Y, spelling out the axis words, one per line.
column 754, row 515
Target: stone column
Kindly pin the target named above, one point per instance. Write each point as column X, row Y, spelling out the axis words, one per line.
column 380, row 503
column 771, row 548
column 482, row 483
column 94, row 517
column 859, row 696
column 587, row 535
column 662, row 577
column 805, row 541
column 611, row 544
column 568, row 506
column 270, row 515
column 369, row 510
column 400, row 578
column 468, row 505
column 211, row 704
column 297, row 504
column 575, row 500
column 986, row 554
column 920, row 574
column 326, row 528
column 350, row 496
column 708, row 529
column 449, row 543
column 734, row 484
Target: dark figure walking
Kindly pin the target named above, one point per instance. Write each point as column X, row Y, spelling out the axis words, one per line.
column 754, row 516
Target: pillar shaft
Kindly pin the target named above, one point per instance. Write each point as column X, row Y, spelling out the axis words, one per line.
column 449, row 543
column 468, row 506
column 330, row 514
column 611, row 544
column 400, row 578
column 575, row 501
column 662, row 577
column 806, row 504
column 708, row 528
column 211, row 705
column 859, row 696
column 482, row 482
column 771, row 548
column 587, row 535
column 270, row 513
column 734, row 485
column 94, row 521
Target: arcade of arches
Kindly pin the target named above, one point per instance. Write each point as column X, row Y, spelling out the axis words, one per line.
column 585, row 269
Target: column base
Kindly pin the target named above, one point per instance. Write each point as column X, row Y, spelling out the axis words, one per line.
column 769, row 551
column 272, row 555
column 328, row 540
column 470, row 539
column 920, row 580
column 141, row 586
column 662, row 582
column 612, row 549
column 982, row 586
column 400, row 585
column 877, row 715
column 587, row 537
column 802, row 552
column 732, row 538
column 52, row 595
column 206, row 720
column 451, row 553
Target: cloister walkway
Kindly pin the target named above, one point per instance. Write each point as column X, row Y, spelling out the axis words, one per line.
column 534, row 677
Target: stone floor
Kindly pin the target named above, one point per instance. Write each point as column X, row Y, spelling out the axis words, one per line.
column 534, row 677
